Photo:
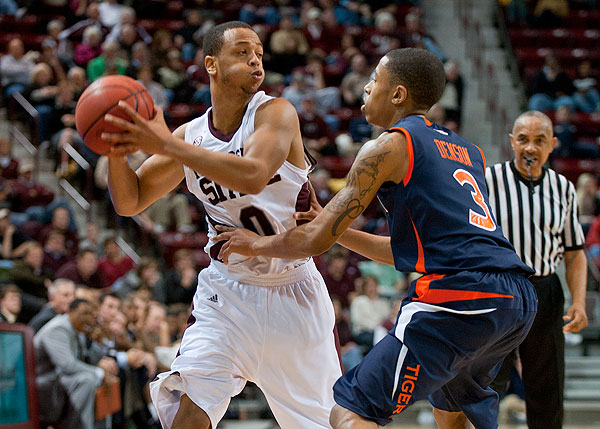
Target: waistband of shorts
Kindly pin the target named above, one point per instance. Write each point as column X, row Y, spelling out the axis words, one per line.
column 301, row 272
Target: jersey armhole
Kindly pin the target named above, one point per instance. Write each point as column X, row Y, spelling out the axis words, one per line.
column 482, row 157
column 411, row 154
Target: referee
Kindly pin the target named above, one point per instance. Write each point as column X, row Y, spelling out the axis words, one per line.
column 537, row 210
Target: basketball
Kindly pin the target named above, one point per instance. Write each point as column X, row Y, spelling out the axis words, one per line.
column 102, row 97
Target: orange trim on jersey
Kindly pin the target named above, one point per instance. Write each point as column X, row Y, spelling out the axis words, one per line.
column 482, row 156
column 411, row 154
column 428, row 122
column 439, row 296
column 420, row 266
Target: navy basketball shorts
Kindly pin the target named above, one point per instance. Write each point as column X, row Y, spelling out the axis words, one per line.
column 451, row 336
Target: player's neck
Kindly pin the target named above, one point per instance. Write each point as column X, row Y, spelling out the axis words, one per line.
column 228, row 112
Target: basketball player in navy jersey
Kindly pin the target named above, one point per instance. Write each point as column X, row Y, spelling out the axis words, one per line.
column 261, row 319
column 473, row 303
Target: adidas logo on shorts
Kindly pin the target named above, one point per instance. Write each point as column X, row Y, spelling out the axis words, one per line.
column 213, row 298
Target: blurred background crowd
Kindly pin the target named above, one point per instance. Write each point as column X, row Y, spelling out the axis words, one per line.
column 140, row 273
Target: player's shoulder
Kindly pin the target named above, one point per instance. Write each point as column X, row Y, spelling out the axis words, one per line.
column 275, row 111
column 180, row 131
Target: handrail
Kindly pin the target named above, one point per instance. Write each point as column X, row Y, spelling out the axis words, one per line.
column 16, row 135
column 75, row 195
column 80, row 160
column 33, row 113
column 128, row 250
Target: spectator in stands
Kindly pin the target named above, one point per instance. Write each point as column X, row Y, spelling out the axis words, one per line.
column 10, row 303
column 128, row 19
column 416, row 37
column 60, row 294
column 313, row 84
column 551, row 87
column 550, row 13
column 63, row 378
column 155, row 331
column 586, row 96
column 353, row 84
column 592, row 241
column 188, row 38
column 319, row 179
column 143, row 280
column 198, row 79
column 315, row 132
column 9, row 166
column 75, row 32
column 350, row 351
column 339, row 276
column 41, row 92
column 172, row 76
column 13, row 241
column 55, row 252
column 89, row 48
column 111, row 12
column 280, row 39
column 92, row 238
column 126, row 38
column 162, row 43
column 106, row 64
column 8, row 7
column 317, row 34
column 62, row 47
column 15, row 68
column 385, row 37
column 288, row 59
column 140, row 57
column 170, row 212
column 568, row 144
column 27, row 193
column 115, row 264
column 28, row 274
column 516, row 11
column 179, row 284
column 61, row 221
column 77, row 78
column 452, row 97
column 83, row 271
column 367, row 312
column 588, row 200
column 158, row 92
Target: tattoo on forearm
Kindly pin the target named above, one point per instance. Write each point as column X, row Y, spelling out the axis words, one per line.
column 360, row 181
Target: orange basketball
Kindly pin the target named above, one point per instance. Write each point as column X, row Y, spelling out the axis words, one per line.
column 102, row 97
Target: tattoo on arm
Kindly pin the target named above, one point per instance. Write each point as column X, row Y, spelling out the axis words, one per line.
column 360, row 181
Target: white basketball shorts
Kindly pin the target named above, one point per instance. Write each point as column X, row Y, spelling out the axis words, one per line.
column 276, row 331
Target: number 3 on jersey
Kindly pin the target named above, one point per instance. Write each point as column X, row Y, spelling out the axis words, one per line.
column 480, row 221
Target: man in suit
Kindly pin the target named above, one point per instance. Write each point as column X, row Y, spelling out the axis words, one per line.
column 61, row 293
column 62, row 374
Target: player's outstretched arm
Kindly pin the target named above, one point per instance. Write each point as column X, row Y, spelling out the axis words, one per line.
column 379, row 161
column 276, row 125
column 374, row 247
column 133, row 191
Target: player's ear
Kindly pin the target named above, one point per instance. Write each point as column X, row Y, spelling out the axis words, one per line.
column 400, row 95
column 210, row 62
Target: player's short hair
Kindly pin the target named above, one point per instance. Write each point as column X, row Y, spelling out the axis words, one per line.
column 420, row 71
column 213, row 39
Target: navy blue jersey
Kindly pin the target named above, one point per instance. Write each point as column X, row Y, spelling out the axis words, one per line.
column 439, row 215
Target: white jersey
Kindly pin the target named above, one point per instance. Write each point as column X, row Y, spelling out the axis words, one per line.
column 269, row 212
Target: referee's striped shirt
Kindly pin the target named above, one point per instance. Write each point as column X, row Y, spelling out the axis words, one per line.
column 540, row 219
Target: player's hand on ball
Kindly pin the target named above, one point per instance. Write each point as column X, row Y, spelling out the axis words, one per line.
column 149, row 135
column 237, row 240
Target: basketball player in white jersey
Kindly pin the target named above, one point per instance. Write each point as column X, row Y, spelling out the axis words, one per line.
column 266, row 320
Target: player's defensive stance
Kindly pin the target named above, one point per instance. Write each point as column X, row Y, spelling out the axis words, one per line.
column 472, row 305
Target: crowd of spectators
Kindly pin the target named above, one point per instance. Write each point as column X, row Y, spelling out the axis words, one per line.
column 60, row 278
